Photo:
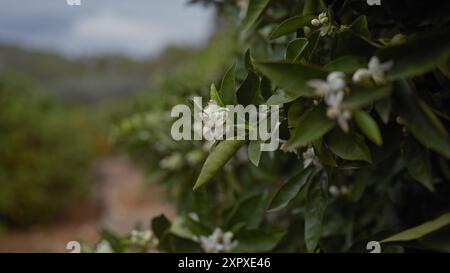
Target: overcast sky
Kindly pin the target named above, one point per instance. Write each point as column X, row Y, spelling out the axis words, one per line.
column 136, row 28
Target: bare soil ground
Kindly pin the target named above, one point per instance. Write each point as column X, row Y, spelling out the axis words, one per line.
column 120, row 202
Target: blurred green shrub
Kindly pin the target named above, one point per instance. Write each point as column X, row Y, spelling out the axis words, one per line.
column 45, row 155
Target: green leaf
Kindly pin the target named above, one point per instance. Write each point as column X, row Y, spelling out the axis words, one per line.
column 348, row 146
column 281, row 97
column 418, row 55
column 295, row 48
column 348, row 42
column 291, row 77
column 383, row 108
column 254, row 11
column 323, row 153
column 368, row 126
column 311, row 126
column 217, row 159
column 248, row 92
column 361, row 96
column 254, row 152
column 346, row 64
column 266, row 88
column 316, row 203
column 249, row 211
column 291, row 25
column 421, row 230
column 214, row 95
column 290, row 190
column 418, row 163
column 228, row 87
column 420, row 122
column 361, row 27
column 258, row 240
column 248, row 60
column 309, row 7
column 314, row 39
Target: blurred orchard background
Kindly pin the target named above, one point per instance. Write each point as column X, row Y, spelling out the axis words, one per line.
column 67, row 75
column 86, row 151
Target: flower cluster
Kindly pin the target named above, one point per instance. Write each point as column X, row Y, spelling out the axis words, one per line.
column 217, row 242
column 338, row 191
column 332, row 90
column 322, row 19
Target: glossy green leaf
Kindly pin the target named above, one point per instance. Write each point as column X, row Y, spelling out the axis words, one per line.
column 249, row 211
column 361, row 27
column 347, row 64
column 291, row 25
column 295, row 49
column 418, row 55
column 290, row 190
column 291, row 77
column 258, row 240
column 228, row 87
column 418, row 163
column 311, row 125
column 215, row 96
column 348, row 146
column 281, row 97
column 254, row 152
column 217, row 159
column 419, row 122
column 361, row 96
column 421, row 230
column 248, row 92
column 368, row 126
column 254, row 11
column 316, row 203
column 248, row 60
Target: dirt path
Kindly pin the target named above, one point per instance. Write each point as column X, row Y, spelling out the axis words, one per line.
column 120, row 203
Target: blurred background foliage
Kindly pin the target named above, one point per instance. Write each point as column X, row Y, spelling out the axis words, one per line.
column 46, row 150
column 58, row 115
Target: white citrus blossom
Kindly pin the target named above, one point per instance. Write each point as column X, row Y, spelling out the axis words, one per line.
column 141, row 237
column 335, row 82
column 217, row 242
column 104, row 247
column 334, row 191
column 322, row 19
column 335, row 110
column 310, row 158
column 375, row 72
column 332, row 90
column 214, row 120
column 285, row 148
